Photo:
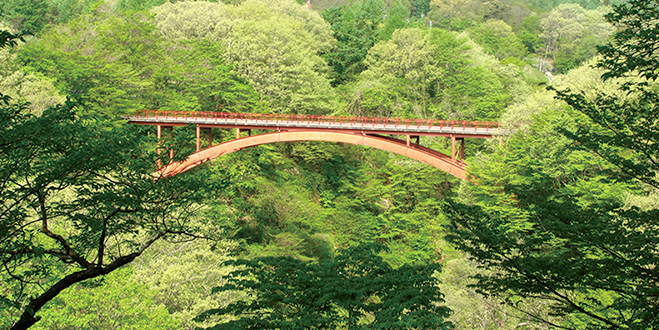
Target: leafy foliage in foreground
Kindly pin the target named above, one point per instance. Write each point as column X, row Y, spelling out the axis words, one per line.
column 635, row 44
column 78, row 202
column 356, row 290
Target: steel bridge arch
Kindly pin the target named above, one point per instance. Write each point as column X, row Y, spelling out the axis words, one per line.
column 434, row 158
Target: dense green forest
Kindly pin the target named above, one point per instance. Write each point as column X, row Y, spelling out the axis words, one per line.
column 557, row 226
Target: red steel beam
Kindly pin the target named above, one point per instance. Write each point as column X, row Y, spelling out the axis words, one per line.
column 247, row 120
column 423, row 154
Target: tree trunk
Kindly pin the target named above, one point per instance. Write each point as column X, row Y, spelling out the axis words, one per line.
column 29, row 318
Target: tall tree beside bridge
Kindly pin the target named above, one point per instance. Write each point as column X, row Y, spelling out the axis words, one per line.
column 581, row 233
column 77, row 202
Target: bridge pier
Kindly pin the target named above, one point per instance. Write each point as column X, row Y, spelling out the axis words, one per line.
column 198, row 135
column 210, row 136
column 159, row 137
column 409, row 140
column 238, row 130
column 461, row 151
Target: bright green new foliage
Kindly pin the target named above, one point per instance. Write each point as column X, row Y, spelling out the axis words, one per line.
column 571, row 34
column 103, row 62
column 356, row 29
column 274, row 45
column 498, row 38
column 422, row 73
column 117, row 302
column 117, row 64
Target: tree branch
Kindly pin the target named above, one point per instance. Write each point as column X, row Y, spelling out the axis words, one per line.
column 29, row 318
column 104, row 232
column 44, row 228
column 30, row 251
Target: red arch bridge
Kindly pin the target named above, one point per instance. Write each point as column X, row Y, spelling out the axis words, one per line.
column 372, row 132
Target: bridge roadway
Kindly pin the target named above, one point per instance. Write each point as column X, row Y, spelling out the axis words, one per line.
column 288, row 122
column 290, row 127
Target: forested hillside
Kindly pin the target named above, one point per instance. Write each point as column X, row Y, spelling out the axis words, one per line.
column 555, row 228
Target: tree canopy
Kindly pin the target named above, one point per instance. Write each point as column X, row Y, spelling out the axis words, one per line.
column 563, row 220
column 79, row 198
column 555, row 228
column 357, row 289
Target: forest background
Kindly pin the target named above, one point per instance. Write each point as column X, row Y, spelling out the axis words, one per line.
column 559, row 232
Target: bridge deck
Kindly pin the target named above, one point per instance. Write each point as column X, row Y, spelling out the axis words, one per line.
column 290, row 122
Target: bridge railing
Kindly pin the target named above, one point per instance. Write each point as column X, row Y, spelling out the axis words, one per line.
column 269, row 118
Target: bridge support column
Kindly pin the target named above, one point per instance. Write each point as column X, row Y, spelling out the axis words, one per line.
column 238, row 130
column 461, row 151
column 171, row 151
column 159, row 137
column 210, row 137
column 198, row 136
column 409, row 140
